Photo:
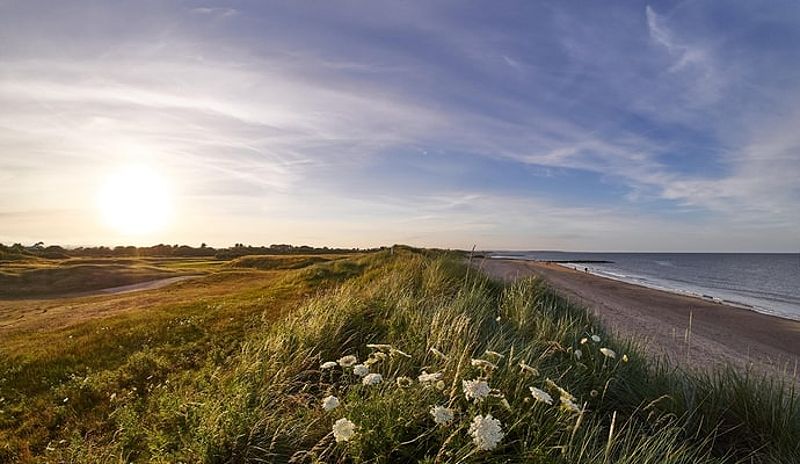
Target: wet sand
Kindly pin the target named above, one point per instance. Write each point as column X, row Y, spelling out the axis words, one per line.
column 689, row 331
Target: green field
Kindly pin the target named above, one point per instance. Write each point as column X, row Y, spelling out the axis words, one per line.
column 226, row 367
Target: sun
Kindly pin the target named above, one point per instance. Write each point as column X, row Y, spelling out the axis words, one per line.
column 135, row 200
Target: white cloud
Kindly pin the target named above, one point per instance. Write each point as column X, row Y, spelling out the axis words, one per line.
column 247, row 123
column 689, row 57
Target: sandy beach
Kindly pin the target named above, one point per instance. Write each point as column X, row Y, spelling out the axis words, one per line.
column 689, row 331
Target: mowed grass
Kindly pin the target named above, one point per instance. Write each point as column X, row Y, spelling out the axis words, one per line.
column 37, row 278
column 256, row 395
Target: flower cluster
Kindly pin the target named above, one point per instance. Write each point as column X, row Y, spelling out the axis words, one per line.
column 442, row 415
column 605, row 351
column 476, row 390
column 485, row 430
column 330, row 403
column 343, row 430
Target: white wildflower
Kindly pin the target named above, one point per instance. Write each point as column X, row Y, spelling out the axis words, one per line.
column 330, row 402
column 541, row 395
column 596, row 338
column 608, row 353
column 437, row 353
column 578, row 354
column 625, row 358
column 524, row 367
column 495, row 354
column 348, row 361
column 429, row 378
column 360, row 370
column 372, row 379
column 441, row 415
column 584, row 340
column 343, row 430
column 404, row 382
column 568, row 405
column 482, row 364
column 476, row 389
column 328, row 365
column 486, row 432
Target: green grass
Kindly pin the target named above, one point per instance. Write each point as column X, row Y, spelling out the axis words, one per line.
column 259, row 399
column 46, row 278
column 272, row 262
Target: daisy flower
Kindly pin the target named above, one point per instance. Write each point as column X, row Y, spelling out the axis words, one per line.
column 404, row 382
column 348, row 361
column 328, row 365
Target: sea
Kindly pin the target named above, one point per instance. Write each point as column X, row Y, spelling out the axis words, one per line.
column 765, row 282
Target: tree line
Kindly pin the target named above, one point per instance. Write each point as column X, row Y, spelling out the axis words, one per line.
column 19, row 251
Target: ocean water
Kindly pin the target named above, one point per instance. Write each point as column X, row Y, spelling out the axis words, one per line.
column 767, row 283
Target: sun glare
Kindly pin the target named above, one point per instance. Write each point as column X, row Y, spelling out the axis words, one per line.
column 135, row 200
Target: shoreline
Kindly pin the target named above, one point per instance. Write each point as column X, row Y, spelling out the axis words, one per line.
column 683, row 329
column 675, row 291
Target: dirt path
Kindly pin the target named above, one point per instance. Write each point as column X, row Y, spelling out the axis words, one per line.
column 149, row 285
column 54, row 312
column 689, row 331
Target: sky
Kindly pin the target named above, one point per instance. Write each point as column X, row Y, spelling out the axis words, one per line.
column 597, row 126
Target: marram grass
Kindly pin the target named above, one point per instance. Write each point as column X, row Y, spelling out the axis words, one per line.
column 455, row 356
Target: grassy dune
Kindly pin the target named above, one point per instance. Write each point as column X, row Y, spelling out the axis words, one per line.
column 189, row 394
column 38, row 278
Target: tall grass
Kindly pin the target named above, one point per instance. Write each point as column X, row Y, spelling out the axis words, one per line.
column 264, row 403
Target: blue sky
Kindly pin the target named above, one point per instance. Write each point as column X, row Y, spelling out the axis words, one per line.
column 661, row 126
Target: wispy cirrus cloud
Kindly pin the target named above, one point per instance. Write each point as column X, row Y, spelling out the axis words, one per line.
column 436, row 124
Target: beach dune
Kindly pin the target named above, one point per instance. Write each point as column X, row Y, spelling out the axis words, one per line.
column 683, row 330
